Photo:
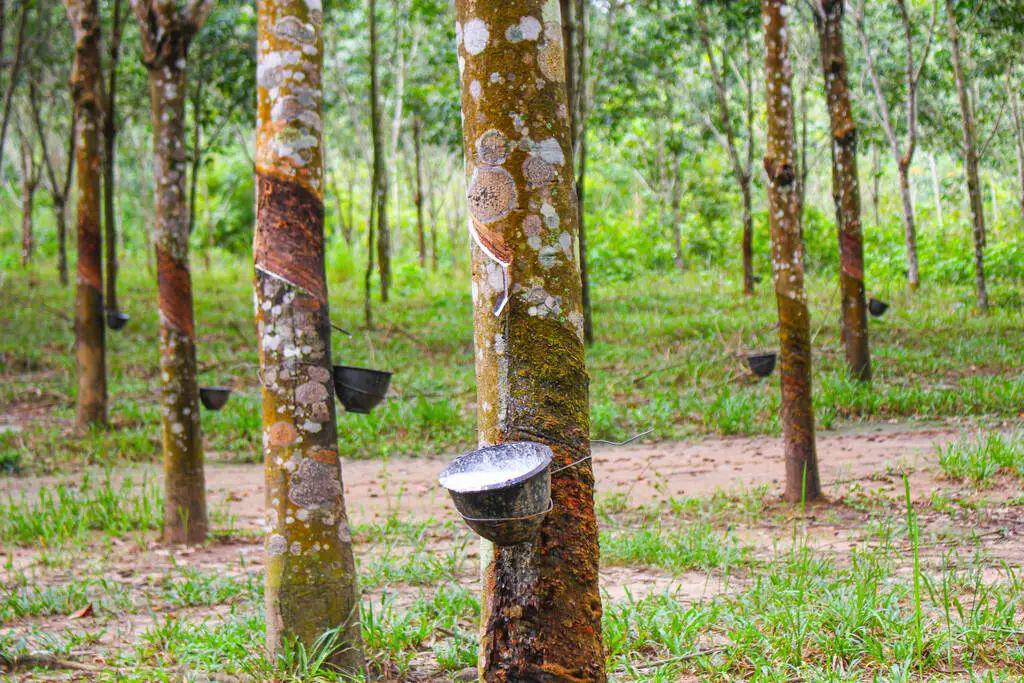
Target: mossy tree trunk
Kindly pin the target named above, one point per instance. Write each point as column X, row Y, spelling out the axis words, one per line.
column 166, row 33
column 970, row 152
column 310, row 581
column 802, row 479
column 89, row 332
column 109, row 159
column 541, row 606
column 828, row 19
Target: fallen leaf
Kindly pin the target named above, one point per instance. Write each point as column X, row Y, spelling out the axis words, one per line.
column 82, row 613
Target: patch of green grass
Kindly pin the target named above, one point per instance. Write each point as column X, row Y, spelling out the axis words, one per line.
column 980, row 458
column 70, row 512
column 692, row 546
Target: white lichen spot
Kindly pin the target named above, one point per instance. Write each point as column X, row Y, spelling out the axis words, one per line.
column 276, row 545
column 475, row 36
column 474, row 89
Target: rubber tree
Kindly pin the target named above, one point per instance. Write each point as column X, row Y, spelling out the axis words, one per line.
column 167, row 32
column 30, row 176
column 970, row 152
column 310, row 579
column 1018, row 136
column 828, row 20
column 417, row 197
column 903, row 153
column 90, row 342
column 541, row 608
column 802, row 480
column 380, row 231
column 109, row 157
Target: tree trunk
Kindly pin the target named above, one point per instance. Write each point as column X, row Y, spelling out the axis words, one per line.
column 845, row 187
column 165, row 53
column 350, row 224
column 580, row 127
column 310, row 581
column 802, row 481
column 379, row 195
column 541, row 605
column 12, row 77
column 1018, row 138
column 89, row 330
column 61, row 216
column 676, row 201
column 909, row 228
column 876, row 177
column 418, row 195
column 970, row 150
column 29, row 183
column 937, row 194
column 109, row 151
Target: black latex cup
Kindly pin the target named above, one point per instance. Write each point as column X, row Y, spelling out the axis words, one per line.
column 214, row 398
column 359, row 389
column 503, row 492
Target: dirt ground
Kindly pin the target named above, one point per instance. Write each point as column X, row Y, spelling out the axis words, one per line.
column 867, row 457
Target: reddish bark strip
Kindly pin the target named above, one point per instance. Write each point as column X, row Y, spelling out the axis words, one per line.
column 788, row 261
column 541, row 616
column 828, row 19
column 289, row 239
column 175, row 291
column 89, row 331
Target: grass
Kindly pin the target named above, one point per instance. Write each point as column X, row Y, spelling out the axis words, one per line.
column 666, row 358
column 982, row 457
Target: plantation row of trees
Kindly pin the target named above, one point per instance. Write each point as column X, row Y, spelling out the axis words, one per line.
column 532, row 94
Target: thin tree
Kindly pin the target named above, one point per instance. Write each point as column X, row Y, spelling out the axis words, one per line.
column 310, row 581
column 60, row 188
column 1018, row 136
column 30, row 176
column 541, row 605
column 379, row 193
column 970, row 152
column 109, row 159
column 12, row 77
column 89, row 332
column 802, row 480
column 418, row 191
column 167, row 32
column 828, row 20
column 903, row 154
column 578, row 107
column 742, row 162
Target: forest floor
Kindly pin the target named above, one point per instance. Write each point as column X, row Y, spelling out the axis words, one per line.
column 706, row 573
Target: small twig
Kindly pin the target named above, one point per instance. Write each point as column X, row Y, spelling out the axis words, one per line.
column 623, row 443
column 31, row 661
column 342, row 330
column 672, row 660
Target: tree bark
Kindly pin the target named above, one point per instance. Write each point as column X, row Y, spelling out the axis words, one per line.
column 310, row 581
column 828, row 19
column 876, row 174
column 970, row 151
column 937, row 195
column 29, row 183
column 541, row 607
column 379, row 196
column 166, row 35
column 802, row 480
column 109, row 151
column 89, row 331
column 418, row 195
